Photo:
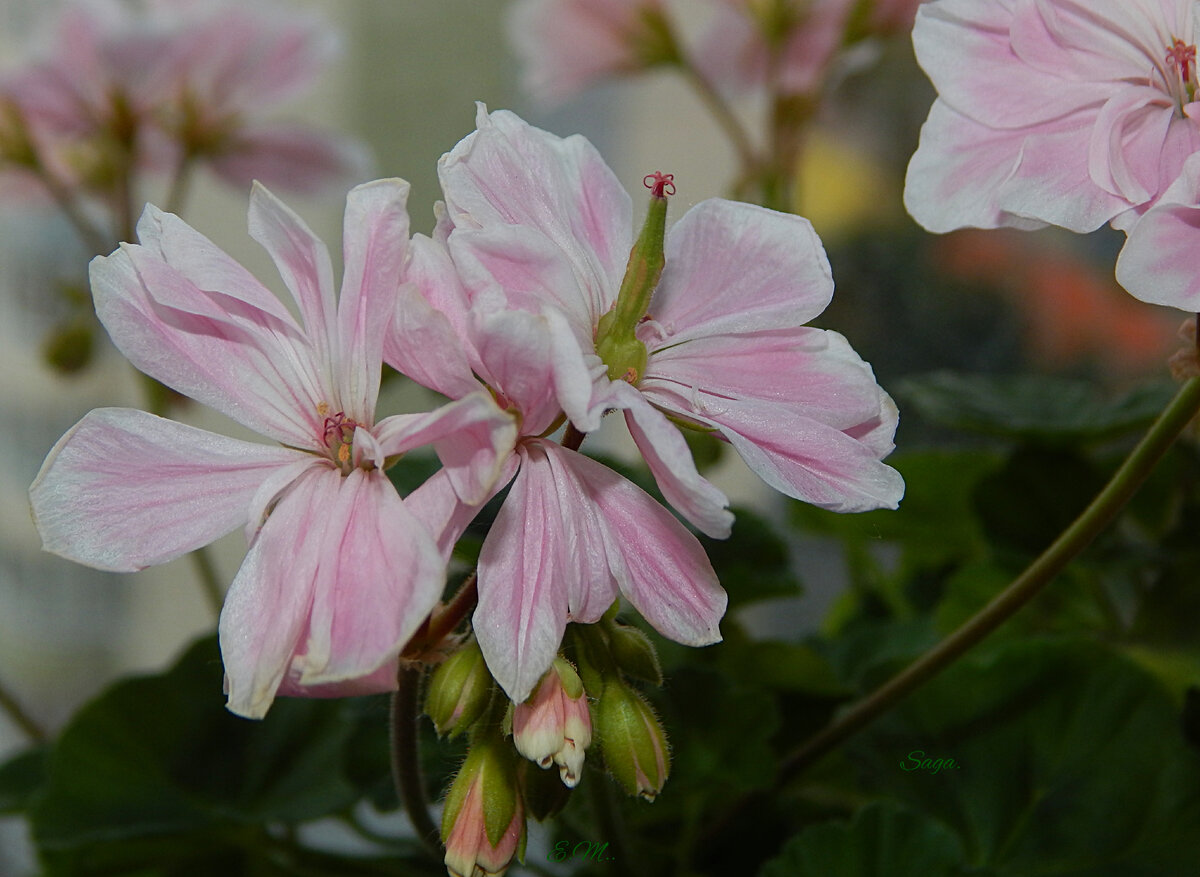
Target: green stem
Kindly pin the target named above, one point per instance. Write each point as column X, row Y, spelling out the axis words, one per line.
column 180, row 183
column 210, row 582
column 1128, row 478
column 12, row 707
column 406, row 765
column 93, row 238
column 725, row 117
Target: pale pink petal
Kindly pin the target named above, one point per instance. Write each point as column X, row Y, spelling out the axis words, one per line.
column 289, row 157
column 531, row 561
column 205, row 264
column 303, row 263
column 811, row 370
column 423, row 345
column 1160, row 262
column 472, row 436
column 436, row 504
column 965, row 47
column 965, row 174
column 670, row 460
column 375, row 244
column 379, row 576
column 834, row 469
column 227, row 354
column 1126, row 144
column 509, row 173
column 379, row 682
column 660, row 567
column 734, row 267
column 516, row 360
column 123, row 489
column 267, row 608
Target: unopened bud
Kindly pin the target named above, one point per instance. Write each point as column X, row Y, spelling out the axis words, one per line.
column 634, row 653
column 633, row 741
column 483, row 822
column 554, row 725
column 459, row 691
column 68, row 348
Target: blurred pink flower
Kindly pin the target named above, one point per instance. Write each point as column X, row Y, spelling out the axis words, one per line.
column 1062, row 112
column 785, row 45
column 339, row 572
column 565, row 46
column 176, row 80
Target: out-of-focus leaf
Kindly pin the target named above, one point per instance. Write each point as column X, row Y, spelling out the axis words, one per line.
column 1071, row 762
column 20, row 779
column 753, row 563
column 1032, row 407
column 159, row 756
column 883, row 840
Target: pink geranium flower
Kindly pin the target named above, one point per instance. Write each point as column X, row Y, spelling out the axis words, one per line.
column 1062, row 112
column 339, row 572
column 1160, row 262
column 538, row 230
column 786, row 46
column 566, row 46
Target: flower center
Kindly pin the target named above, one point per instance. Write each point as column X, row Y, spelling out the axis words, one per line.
column 1181, row 57
column 339, row 438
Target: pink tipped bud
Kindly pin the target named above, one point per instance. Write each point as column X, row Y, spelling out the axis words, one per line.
column 633, row 740
column 554, row 725
column 483, row 823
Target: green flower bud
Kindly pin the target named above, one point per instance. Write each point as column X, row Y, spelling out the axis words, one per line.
column 483, row 822
column 459, row 691
column 634, row 653
column 633, row 741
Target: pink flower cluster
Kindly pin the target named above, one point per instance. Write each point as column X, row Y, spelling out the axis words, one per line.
column 150, row 87
column 1073, row 113
column 499, row 312
column 786, row 45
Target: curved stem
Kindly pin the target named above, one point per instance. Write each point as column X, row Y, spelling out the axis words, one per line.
column 13, row 709
column 724, row 116
column 406, row 765
column 1120, row 488
column 210, row 582
column 93, row 238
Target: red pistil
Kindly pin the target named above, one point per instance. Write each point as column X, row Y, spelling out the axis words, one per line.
column 1184, row 56
column 661, row 185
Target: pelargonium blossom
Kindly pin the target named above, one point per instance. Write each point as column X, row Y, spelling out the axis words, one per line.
column 179, row 81
column 566, row 46
column 1160, row 262
column 538, row 230
column 339, row 572
column 1063, row 112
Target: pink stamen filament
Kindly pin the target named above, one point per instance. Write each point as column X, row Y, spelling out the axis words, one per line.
column 1183, row 56
column 339, row 437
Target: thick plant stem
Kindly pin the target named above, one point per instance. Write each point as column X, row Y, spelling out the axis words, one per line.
column 1128, row 478
column 406, row 766
column 12, row 708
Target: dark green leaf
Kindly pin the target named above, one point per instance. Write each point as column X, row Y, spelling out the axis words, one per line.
column 882, row 841
column 753, row 563
column 20, row 779
column 1032, row 407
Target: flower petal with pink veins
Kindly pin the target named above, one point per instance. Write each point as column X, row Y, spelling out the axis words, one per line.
column 543, row 546
column 303, row 263
column 659, row 566
column 424, row 346
column 734, row 267
column 670, row 460
column 267, row 607
column 378, row 577
column 808, row 369
column 123, row 489
column 472, row 436
column 1160, row 262
column 508, row 173
column 375, row 244
column 225, row 353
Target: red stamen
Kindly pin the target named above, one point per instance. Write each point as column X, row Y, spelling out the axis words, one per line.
column 1184, row 56
column 659, row 183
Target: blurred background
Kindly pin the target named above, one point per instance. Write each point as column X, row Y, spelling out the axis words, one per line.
column 406, row 82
